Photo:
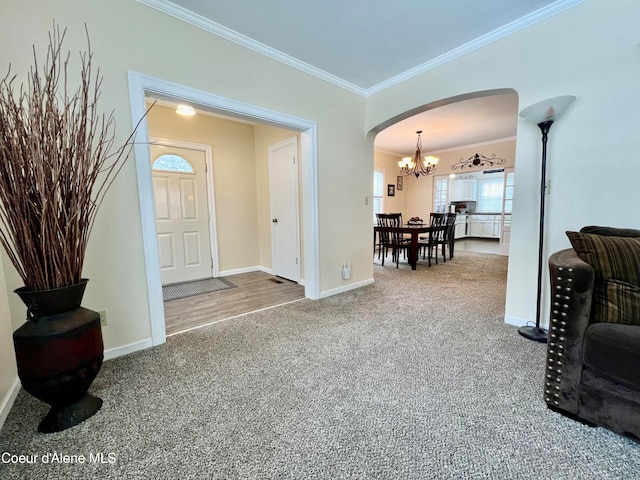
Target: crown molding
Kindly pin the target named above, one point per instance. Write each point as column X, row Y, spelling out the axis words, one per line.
column 210, row 26
column 477, row 43
column 199, row 21
column 390, row 153
column 446, row 150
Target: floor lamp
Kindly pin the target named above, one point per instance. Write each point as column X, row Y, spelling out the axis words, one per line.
column 543, row 114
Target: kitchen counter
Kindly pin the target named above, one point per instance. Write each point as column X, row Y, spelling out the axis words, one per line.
column 485, row 213
column 480, row 224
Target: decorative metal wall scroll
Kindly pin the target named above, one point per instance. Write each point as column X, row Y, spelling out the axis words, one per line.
column 478, row 160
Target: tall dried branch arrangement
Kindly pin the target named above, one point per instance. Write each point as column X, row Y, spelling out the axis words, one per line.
column 57, row 161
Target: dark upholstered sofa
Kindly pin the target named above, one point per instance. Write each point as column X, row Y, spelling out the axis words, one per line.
column 593, row 350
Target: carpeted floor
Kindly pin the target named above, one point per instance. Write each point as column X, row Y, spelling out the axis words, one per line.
column 413, row 377
column 176, row 291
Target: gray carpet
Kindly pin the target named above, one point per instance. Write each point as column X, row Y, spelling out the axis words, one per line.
column 413, row 377
column 193, row 288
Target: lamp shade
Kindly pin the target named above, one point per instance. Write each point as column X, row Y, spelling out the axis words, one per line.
column 547, row 110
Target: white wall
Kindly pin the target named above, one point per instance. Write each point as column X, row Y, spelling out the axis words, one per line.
column 126, row 35
column 590, row 51
column 389, row 164
column 8, row 372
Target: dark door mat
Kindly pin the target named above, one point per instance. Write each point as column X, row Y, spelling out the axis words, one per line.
column 197, row 287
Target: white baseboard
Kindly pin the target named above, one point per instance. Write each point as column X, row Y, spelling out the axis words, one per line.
column 237, row 271
column 519, row 322
column 346, row 288
column 266, row 270
column 127, row 349
column 7, row 401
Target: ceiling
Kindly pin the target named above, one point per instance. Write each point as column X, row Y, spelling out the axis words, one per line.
column 368, row 45
column 466, row 122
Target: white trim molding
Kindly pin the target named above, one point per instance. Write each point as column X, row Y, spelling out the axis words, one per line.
column 141, row 86
column 210, row 26
column 238, row 271
column 477, row 43
column 346, row 288
column 518, row 322
column 116, row 352
column 8, row 400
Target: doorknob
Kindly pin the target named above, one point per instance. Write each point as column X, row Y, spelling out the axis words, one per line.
column 275, row 220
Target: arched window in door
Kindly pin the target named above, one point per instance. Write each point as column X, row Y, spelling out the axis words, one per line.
column 172, row 163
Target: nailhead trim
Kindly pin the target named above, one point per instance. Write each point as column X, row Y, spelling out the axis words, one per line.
column 557, row 337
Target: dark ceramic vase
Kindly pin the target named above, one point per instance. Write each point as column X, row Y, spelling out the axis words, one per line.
column 59, row 352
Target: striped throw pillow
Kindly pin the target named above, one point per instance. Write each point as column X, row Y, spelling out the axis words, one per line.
column 616, row 264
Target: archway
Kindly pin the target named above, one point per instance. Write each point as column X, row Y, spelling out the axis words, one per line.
column 454, row 129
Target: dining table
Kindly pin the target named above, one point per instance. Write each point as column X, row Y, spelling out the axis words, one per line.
column 414, row 230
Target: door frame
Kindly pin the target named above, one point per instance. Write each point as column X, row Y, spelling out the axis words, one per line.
column 141, row 86
column 290, row 141
column 211, row 199
column 504, row 248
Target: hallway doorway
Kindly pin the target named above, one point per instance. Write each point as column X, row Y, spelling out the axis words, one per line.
column 141, row 86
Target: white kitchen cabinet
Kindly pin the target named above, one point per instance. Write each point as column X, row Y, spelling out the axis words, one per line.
column 488, row 229
column 475, row 227
column 464, row 190
column 460, row 230
column 484, row 226
column 496, row 227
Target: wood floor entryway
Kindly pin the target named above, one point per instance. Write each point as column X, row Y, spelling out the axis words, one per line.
column 253, row 291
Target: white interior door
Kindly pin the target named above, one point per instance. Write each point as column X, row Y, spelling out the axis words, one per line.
column 182, row 214
column 283, row 180
column 507, row 201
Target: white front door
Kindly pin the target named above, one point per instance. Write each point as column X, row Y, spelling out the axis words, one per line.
column 182, row 213
column 283, row 181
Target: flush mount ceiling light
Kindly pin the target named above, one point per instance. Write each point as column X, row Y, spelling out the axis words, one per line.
column 185, row 110
column 417, row 165
column 478, row 160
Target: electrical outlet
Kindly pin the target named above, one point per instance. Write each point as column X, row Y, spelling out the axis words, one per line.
column 103, row 317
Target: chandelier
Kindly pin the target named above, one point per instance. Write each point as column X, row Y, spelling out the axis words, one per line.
column 417, row 165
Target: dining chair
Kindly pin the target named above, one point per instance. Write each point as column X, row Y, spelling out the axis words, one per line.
column 405, row 237
column 391, row 240
column 382, row 220
column 436, row 236
column 449, row 235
